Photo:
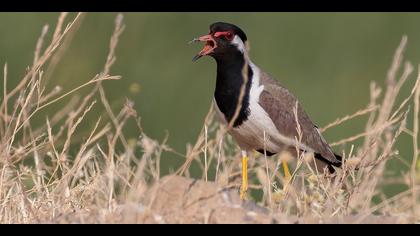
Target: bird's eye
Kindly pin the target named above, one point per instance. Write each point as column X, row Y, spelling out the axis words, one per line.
column 229, row 36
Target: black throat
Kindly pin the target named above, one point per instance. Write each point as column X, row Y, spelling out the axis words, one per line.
column 228, row 86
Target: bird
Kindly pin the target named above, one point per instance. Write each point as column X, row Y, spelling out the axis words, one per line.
column 264, row 116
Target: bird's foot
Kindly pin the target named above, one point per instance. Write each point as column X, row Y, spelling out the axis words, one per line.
column 243, row 193
column 280, row 194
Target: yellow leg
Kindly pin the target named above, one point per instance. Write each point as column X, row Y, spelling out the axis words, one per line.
column 287, row 174
column 244, row 186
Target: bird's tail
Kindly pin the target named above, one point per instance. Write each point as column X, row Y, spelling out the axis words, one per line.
column 331, row 164
column 339, row 162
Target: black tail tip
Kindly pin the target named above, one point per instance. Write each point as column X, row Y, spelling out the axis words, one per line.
column 339, row 163
column 340, row 158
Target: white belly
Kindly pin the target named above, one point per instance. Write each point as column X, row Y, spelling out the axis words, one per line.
column 257, row 132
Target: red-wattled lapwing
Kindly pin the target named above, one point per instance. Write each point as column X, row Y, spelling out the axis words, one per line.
column 266, row 121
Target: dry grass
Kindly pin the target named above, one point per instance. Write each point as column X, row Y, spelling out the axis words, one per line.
column 41, row 182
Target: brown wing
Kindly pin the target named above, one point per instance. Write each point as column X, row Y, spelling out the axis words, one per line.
column 279, row 103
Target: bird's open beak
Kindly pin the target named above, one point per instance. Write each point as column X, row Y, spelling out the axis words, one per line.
column 208, row 47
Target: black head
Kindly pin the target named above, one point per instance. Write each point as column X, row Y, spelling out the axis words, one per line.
column 222, row 40
column 226, row 27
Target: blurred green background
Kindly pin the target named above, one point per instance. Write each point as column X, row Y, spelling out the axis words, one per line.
column 327, row 59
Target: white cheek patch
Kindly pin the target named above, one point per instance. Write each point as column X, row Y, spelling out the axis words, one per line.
column 256, row 87
column 237, row 41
